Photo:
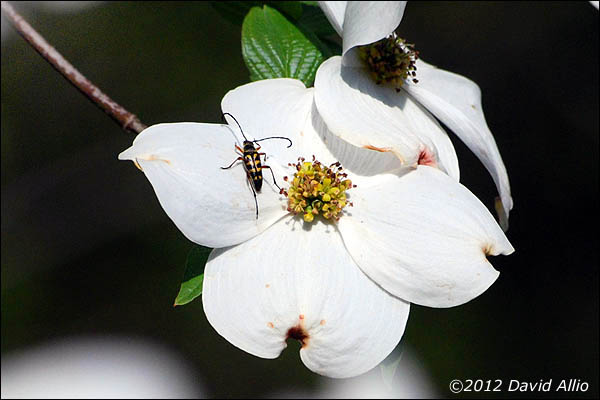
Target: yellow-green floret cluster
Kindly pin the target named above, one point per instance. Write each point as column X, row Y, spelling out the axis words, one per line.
column 390, row 60
column 317, row 190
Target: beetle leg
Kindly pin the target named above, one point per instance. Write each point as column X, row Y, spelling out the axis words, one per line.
column 253, row 192
column 261, row 154
column 234, row 161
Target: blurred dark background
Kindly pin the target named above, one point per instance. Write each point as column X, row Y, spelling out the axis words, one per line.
column 87, row 249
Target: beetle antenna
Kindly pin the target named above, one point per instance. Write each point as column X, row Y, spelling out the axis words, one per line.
column 275, row 137
column 236, row 121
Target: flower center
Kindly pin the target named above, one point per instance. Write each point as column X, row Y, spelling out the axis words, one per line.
column 390, row 60
column 317, row 190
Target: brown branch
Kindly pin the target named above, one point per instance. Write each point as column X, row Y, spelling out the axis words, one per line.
column 124, row 118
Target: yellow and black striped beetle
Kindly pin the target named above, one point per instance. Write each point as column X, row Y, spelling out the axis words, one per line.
column 252, row 163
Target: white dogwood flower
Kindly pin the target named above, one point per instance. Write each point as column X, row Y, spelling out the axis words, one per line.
column 366, row 95
column 341, row 286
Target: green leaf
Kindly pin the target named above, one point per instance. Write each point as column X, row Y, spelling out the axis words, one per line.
column 310, row 35
column 191, row 287
column 273, row 47
column 311, row 3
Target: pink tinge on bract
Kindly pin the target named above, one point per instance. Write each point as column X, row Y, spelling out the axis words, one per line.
column 426, row 157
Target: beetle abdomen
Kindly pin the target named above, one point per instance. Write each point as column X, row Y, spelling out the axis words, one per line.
column 253, row 166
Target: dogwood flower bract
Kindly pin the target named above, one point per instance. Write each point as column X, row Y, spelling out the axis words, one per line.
column 342, row 288
column 356, row 93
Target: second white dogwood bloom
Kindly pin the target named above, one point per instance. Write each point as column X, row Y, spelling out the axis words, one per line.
column 342, row 288
column 379, row 78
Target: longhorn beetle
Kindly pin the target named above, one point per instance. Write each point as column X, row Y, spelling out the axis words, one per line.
column 251, row 158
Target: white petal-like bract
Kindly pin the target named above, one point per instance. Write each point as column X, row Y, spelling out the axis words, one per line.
column 361, row 161
column 297, row 281
column 377, row 117
column 367, row 22
column 211, row 206
column 456, row 101
column 423, row 237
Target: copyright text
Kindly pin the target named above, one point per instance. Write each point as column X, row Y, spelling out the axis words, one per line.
column 514, row 385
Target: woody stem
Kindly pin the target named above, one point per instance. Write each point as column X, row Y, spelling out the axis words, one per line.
column 124, row 118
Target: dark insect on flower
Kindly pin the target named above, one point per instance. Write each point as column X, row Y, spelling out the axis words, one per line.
column 252, row 163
